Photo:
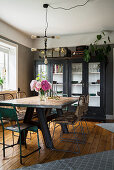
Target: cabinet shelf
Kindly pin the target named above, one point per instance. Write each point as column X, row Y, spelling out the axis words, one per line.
column 94, row 84
column 76, row 72
column 94, row 96
column 60, row 84
column 58, row 73
column 77, row 84
column 94, row 72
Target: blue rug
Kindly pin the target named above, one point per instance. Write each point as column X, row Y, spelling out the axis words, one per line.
column 107, row 126
column 98, row 161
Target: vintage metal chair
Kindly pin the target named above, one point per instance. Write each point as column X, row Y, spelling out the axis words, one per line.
column 83, row 100
column 21, row 110
column 73, row 119
column 20, row 114
column 11, row 115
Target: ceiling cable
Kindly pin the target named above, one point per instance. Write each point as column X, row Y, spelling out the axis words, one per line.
column 80, row 5
column 46, row 21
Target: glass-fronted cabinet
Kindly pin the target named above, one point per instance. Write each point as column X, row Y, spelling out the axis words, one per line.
column 88, row 78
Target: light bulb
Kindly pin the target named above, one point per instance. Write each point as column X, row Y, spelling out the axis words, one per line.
column 33, row 36
column 33, row 49
column 45, row 61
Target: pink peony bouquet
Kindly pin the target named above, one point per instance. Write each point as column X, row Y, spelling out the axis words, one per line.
column 42, row 87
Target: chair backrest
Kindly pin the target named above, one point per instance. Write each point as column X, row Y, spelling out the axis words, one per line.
column 86, row 103
column 21, row 94
column 8, row 111
column 8, row 96
column 80, row 108
column 1, row 97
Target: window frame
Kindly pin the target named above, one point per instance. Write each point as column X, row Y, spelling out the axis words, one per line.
column 7, row 45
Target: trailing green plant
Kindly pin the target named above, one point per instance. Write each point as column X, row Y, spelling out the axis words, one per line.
column 99, row 51
column 1, row 81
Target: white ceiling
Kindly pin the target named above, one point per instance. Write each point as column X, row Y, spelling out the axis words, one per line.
column 29, row 16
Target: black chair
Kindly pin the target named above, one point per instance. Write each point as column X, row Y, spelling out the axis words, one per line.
column 10, row 114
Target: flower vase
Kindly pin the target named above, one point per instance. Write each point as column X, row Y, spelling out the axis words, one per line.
column 42, row 96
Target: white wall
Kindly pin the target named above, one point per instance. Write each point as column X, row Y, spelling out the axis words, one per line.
column 70, row 40
column 15, row 35
column 113, row 82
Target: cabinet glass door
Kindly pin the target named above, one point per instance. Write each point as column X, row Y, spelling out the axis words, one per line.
column 42, row 71
column 58, row 79
column 76, row 81
column 94, row 84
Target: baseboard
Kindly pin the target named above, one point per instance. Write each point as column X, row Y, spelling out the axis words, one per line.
column 110, row 117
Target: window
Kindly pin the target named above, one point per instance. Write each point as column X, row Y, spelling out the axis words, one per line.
column 8, row 65
column 4, row 56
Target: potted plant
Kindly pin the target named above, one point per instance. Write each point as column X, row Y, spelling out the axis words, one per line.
column 99, row 51
column 1, row 84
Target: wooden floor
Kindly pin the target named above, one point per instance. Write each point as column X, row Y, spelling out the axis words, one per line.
column 98, row 140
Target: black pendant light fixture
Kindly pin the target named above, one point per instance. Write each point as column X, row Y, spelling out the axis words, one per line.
column 45, row 37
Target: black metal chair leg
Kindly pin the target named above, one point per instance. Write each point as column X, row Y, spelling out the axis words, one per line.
column 25, row 139
column 38, row 141
column 20, row 149
column 3, row 144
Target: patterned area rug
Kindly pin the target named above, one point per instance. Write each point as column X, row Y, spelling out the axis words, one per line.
column 98, row 161
column 107, row 126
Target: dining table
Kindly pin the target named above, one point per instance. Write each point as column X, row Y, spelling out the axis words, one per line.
column 43, row 108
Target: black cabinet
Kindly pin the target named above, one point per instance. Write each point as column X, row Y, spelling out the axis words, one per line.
column 75, row 77
column 88, row 78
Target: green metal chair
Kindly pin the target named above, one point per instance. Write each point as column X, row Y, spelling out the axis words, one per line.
column 10, row 114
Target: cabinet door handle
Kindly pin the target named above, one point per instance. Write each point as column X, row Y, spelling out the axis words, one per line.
column 83, row 85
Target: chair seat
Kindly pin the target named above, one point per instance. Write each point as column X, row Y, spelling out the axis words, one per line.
column 23, row 126
column 66, row 119
column 68, row 114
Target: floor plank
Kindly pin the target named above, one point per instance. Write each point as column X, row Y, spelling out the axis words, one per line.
column 98, row 140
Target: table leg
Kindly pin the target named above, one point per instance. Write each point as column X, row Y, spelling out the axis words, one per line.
column 63, row 125
column 44, row 128
column 28, row 115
